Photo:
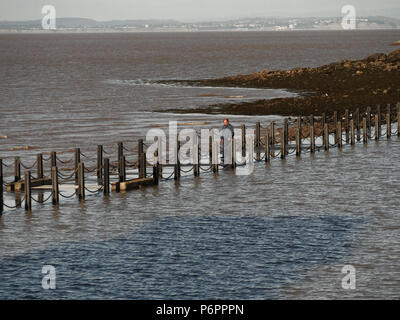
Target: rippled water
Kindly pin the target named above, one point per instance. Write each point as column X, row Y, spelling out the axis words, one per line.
column 285, row 231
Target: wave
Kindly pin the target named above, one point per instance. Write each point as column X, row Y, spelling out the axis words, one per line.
column 166, row 84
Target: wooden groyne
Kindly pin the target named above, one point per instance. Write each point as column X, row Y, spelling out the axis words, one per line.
column 123, row 169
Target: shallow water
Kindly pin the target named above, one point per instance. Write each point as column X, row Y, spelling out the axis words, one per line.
column 285, row 231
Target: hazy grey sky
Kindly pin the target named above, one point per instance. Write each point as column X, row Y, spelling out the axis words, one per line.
column 191, row 10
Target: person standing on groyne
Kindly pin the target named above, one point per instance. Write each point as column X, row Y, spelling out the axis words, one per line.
column 227, row 134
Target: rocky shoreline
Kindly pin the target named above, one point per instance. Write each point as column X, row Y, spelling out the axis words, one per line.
column 347, row 84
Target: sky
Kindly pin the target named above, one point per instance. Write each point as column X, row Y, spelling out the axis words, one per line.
column 192, row 10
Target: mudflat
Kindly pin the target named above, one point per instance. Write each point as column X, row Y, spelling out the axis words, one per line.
column 347, row 84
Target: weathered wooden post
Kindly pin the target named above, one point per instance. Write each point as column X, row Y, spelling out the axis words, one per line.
column 352, row 132
column 156, row 170
column 357, row 123
column 210, row 146
column 99, row 168
column 28, row 191
column 346, row 124
column 81, row 181
column 122, row 173
column 365, row 130
column 283, row 143
column 215, row 156
column 77, row 157
column 1, row 187
column 267, row 148
column 388, row 126
column 233, row 155
column 286, row 140
column 339, row 129
column 106, row 182
column 144, row 165
column 196, row 157
column 335, row 122
column 326, row 137
column 377, row 128
column 312, row 133
column 120, row 160
column 17, row 169
column 298, row 137
column 39, row 161
column 54, row 186
column 243, row 129
column 258, row 133
column 368, row 118
column 141, row 163
column 176, row 164
column 398, row 119
column 53, row 159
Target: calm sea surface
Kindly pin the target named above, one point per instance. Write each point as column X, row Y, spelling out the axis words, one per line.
column 285, row 231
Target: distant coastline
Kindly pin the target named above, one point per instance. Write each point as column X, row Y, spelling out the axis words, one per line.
column 83, row 25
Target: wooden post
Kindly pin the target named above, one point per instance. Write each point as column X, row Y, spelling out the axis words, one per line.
column 323, row 119
column 352, row 132
column 106, row 182
column 53, row 159
column 140, row 159
column 283, row 143
column 377, row 128
column 120, row 160
column 368, row 119
column 339, row 129
column 365, row 130
column 54, row 186
column 398, row 119
column 312, row 134
column 177, row 168
column 335, row 122
column 286, row 140
column 99, row 164
column 81, row 182
column 357, row 124
column 196, row 157
column 176, row 164
column 1, row 187
column 142, row 165
column 210, row 145
column 28, row 191
column 122, row 172
column 39, row 161
column 77, row 156
column 326, row 137
column 258, row 133
column 272, row 136
column 298, row 137
column 215, row 156
column 346, row 124
column 388, row 126
column 17, row 169
column 156, row 171
column 267, row 148
column 233, row 155
column 243, row 129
